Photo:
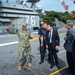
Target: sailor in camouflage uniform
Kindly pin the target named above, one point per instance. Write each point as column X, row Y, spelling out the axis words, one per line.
column 24, row 44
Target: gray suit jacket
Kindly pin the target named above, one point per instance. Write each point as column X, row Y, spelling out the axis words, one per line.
column 68, row 45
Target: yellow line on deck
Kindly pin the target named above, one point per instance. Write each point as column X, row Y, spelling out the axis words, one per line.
column 62, row 34
column 57, row 71
column 33, row 39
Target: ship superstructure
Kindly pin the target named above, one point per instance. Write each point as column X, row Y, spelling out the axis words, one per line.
column 15, row 14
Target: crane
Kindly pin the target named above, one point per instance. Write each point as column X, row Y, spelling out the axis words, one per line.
column 67, row 8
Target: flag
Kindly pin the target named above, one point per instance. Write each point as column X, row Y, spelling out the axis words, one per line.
column 64, row 5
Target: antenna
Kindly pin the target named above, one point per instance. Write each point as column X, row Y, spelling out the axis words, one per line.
column 33, row 2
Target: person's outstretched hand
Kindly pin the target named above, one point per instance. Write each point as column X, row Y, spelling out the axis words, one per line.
column 5, row 27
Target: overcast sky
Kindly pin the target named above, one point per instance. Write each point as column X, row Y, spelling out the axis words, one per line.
column 53, row 5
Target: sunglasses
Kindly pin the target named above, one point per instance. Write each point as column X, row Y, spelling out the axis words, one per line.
column 23, row 26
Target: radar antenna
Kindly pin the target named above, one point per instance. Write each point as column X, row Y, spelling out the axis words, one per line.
column 33, row 2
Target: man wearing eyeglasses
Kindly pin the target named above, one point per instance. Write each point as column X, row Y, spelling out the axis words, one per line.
column 24, row 44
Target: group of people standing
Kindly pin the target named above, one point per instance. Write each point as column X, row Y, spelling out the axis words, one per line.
column 49, row 38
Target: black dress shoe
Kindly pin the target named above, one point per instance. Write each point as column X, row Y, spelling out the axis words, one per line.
column 58, row 65
column 41, row 62
column 52, row 65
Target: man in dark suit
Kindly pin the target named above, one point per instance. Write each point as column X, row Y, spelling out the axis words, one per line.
column 52, row 44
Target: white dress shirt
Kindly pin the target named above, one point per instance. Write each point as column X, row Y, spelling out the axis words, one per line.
column 51, row 36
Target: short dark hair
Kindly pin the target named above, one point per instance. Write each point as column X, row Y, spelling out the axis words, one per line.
column 54, row 24
column 40, row 25
column 51, row 25
column 48, row 23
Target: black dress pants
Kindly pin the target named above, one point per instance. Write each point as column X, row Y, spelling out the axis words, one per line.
column 42, row 53
column 52, row 54
column 70, row 60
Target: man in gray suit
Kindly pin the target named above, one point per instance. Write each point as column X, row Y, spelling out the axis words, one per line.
column 68, row 45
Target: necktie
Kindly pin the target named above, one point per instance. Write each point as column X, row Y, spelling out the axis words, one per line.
column 50, row 35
